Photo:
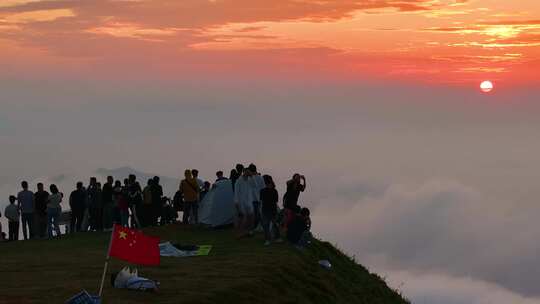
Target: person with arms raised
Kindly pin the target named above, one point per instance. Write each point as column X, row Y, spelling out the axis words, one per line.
column 294, row 186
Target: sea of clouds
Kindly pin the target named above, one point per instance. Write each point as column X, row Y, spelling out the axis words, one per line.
column 435, row 190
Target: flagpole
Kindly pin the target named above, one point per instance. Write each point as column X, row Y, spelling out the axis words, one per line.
column 107, row 258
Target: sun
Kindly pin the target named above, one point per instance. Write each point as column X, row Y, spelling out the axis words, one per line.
column 486, row 86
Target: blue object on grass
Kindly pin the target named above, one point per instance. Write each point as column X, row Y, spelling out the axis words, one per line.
column 84, row 298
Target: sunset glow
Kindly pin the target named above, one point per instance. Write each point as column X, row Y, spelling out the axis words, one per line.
column 449, row 42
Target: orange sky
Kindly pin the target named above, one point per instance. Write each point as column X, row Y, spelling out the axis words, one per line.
column 440, row 41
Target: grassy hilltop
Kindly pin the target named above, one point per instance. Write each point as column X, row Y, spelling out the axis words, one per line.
column 236, row 271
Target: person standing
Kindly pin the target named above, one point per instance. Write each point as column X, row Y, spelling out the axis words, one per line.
column 134, row 199
column 269, row 199
column 121, row 208
column 146, row 214
column 40, row 207
column 157, row 194
column 233, row 176
column 54, row 210
column 243, row 201
column 190, row 190
column 108, row 205
column 195, row 174
column 12, row 214
column 26, row 205
column 258, row 185
column 77, row 203
column 93, row 204
column 239, row 169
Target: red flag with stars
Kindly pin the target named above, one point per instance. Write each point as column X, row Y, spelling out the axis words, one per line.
column 134, row 247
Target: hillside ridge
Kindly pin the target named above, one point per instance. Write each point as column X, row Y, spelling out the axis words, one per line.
column 236, row 271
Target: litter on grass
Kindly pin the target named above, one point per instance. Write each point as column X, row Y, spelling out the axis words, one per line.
column 325, row 264
column 128, row 279
column 169, row 250
column 84, row 297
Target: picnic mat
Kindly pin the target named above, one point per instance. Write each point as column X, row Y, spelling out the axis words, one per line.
column 169, row 250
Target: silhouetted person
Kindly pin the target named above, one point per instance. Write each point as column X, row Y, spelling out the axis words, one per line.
column 233, row 176
column 77, row 203
column 121, row 208
column 219, row 176
column 298, row 230
column 40, row 206
column 178, row 200
column 26, row 205
column 108, row 204
column 12, row 214
column 294, row 186
column 146, row 214
column 134, row 199
column 239, row 171
column 94, row 205
column 157, row 194
column 269, row 199
column 204, row 190
column 195, row 174
column 190, row 190
column 54, row 210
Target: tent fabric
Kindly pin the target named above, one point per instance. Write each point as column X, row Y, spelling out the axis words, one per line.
column 217, row 207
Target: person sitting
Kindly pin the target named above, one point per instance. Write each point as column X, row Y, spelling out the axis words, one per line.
column 298, row 231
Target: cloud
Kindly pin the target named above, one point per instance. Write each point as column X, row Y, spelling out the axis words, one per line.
column 439, row 227
column 39, row 16
column 128, row 30
column 444, row 289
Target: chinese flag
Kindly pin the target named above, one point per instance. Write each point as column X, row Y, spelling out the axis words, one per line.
column 134, row 246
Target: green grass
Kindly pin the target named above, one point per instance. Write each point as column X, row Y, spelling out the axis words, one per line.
column 236, row 271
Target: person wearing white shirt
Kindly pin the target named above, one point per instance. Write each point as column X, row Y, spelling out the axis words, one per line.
column 243, row 201
column 258, row 185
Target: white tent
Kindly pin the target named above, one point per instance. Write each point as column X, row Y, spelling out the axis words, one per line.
column 217, row 207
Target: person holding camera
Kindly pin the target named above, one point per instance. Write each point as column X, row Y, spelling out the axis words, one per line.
column 294, row 186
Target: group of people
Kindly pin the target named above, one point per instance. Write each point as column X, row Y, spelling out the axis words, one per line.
column 97, row 207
